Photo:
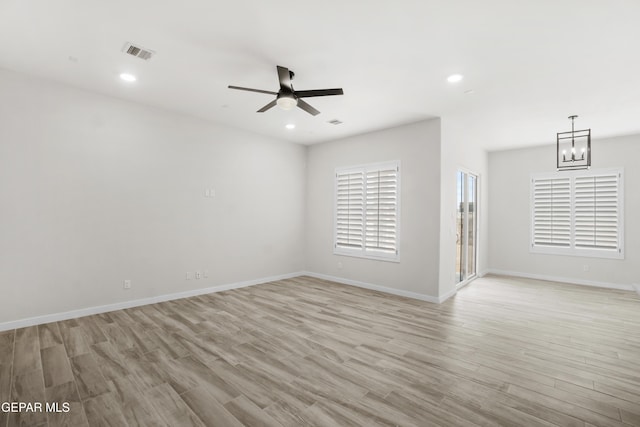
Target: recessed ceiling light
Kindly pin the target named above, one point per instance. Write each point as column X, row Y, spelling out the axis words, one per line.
column 290, row 126
column 128, row 77
column 454, row 78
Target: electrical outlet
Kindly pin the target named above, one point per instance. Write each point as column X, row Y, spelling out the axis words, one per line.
column 205, row 274
column 188, row 276
column 198, row 275
column 127, row 284
column 585, row 267
column 339, row 264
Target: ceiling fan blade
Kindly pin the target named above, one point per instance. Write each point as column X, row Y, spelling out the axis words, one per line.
column 308, row 108
column 253, row 90
column 268, row 106
column 318, row 92
column 284, row 76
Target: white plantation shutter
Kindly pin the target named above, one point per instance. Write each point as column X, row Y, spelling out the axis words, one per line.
column 349, row 205
column 596, row 211
column 552, row 212
column 380, row 213
column 367, row 211
column 578, row 213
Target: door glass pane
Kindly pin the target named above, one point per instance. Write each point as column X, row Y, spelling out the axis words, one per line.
column 466, row 226
column 472, row 221
column 459, row 227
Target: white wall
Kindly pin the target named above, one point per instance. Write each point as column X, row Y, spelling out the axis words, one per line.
column 509, row 225
column 460, row 153
column 417, row 146
column 95, row 190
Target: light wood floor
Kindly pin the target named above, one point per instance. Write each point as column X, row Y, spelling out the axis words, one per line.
column 305, row 352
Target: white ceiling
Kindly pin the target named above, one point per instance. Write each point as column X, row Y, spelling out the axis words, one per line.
column 530, row 63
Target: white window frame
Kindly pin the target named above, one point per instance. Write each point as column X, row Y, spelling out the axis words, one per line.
column 364, row 252
column 572, row 250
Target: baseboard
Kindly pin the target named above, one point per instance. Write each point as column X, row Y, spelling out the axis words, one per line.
column 443, row 298
column 570, row 280
column 359, row 284
column 56, row 317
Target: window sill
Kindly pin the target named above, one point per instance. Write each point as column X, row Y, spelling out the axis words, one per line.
column 359, row 254
column 586, row 253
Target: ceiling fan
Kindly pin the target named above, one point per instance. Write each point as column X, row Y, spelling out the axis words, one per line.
column 287, row 98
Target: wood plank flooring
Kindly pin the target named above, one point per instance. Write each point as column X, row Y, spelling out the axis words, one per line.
column 307, row 352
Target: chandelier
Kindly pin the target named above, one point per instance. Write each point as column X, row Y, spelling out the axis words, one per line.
column 574, row 148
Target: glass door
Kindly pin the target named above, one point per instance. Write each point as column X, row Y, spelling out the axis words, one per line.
column 466, row 226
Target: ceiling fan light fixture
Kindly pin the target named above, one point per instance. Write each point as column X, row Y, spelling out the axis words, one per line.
column 287, row 102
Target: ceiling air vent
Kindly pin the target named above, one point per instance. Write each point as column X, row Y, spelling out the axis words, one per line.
column 335, row 122
column 138, row 51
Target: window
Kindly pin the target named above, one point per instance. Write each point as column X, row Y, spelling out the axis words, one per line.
column 578, row 213
column 367, row 207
